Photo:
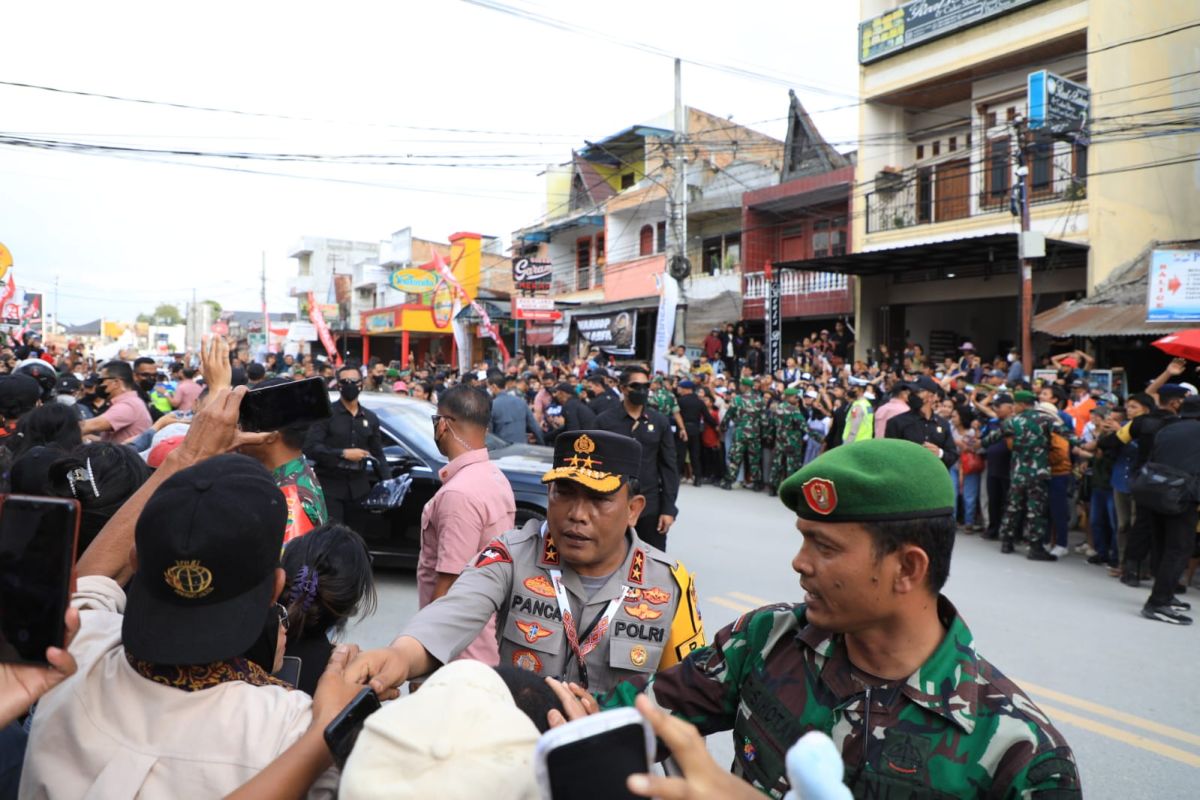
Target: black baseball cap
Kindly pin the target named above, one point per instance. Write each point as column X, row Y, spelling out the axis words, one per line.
column 68, row 384
column 208, row 544
column 599, row 460
column 18, row 395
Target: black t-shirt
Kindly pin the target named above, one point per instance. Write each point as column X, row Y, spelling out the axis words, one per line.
column 1177, row 444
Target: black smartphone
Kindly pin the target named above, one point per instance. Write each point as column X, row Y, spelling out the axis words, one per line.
column 566, row 757
column 38, row 536
column 290, row 671
column 275, row 407
column 341, row 734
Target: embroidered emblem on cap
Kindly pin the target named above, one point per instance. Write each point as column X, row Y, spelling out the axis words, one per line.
column 642, row 612
column 533, row 631
column 189, row 579
column 527, row 660
column 540, row 584
column 638, row 655
column 585, row 445
column 821, row 495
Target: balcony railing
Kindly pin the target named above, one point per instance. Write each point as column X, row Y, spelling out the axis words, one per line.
column 794, row 282
column 944, row 192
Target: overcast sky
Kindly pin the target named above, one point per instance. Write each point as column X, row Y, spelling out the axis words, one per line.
column 369, row 78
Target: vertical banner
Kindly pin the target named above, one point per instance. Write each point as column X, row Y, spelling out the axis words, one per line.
column 318, row 321
column 665, row 330
column 486, row 326
column 774, row 322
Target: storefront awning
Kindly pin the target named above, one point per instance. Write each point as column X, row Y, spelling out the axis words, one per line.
column 1077, row 319
column 970, row 255
column 496, row 310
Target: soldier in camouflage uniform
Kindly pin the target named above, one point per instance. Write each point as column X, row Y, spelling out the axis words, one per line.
column 934, row 721
column 791, row 428
column 1030, row 432
column 745, row 416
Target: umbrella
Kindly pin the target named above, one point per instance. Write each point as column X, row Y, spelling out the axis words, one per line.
column 1184, row 344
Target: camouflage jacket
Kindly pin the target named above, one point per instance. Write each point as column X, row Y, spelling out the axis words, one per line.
column 791, row 426
column 664, row 400
column 305, row 499
column 1030, row 431
column 957, row 728
column 746, row 414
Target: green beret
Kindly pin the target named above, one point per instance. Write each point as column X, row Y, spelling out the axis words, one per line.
column 747, row 381
column 393, row 374
column 1025, row 397
column 791, row 392
column 869, row 481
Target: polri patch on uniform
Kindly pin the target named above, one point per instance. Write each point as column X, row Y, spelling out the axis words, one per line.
column 533, row 631
column 638, row 566
column 821, row 495
column 540, row 584
column 638, row 655
column 642, row 612
column 494, row 553
column 656, row 595
column 527, row 660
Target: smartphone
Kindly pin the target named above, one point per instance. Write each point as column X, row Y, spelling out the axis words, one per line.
column 38, row 536
column 290, row 671
column 342, row 733
column 275, row 407
column 566, row 757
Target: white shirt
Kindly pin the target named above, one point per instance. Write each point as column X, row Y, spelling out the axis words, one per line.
column 108, row 733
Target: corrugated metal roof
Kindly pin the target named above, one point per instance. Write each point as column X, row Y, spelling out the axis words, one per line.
column 1076, row 319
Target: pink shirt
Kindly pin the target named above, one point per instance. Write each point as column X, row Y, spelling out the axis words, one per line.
column 186, row 393
column 128, row 416
column 474, row 506
column 888, row 410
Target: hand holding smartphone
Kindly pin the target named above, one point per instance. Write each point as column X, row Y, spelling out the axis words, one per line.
column 591, row 758
column 275, row 407
column 38, row 537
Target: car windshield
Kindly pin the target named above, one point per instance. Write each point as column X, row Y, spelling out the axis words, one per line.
column 411, row 421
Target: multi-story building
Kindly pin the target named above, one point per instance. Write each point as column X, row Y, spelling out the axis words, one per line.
column 943, row 132
column 606, row 228
column 805, row 216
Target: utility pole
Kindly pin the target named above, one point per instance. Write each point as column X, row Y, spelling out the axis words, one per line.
column 1027, row 360
column 266, row 316
column 679, row 193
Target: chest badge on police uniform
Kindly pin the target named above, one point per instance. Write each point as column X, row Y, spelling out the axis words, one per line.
column 533, row 632
column 638, row 655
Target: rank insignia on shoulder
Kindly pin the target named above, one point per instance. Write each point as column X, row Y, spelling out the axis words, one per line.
column 494, row 553
column 638, row 656
column 637, row 566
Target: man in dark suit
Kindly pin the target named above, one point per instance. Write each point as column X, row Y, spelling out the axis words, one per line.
column 600, row 398
column 691, row 409
column 573, row 414
column 341, row 444
column 659, row 476
column 511, row 418
column 920, row 425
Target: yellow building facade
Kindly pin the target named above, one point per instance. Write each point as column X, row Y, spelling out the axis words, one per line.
column 943, row 138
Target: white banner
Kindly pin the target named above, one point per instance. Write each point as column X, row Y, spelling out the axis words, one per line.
column 665, row 329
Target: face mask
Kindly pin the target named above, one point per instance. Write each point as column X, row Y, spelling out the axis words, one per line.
column 378, row 379
column 146, row 383
column 1011, row 358
column 639, row 398
column 870, row 397
column 915, row 403
column 591, row 392
column 348, row 390
column 101, row 390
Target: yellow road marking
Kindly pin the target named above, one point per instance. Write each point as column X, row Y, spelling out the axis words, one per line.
column 749, row 598
column 1133, row 739
column 1112, row 713
column 721, row 601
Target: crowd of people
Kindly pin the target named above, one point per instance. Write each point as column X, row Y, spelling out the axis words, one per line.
column 198, row 656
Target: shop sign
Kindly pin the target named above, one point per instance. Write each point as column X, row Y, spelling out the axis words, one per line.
column 414, row 281
column 612, row 333
column 539, row 309
column 442, row 307
column 923, row 20
column 1057, row 104
column 532, row 275
column 380, row 321
column 1173, row 288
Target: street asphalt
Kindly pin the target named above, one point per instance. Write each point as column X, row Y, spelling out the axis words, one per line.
column 1121, row 689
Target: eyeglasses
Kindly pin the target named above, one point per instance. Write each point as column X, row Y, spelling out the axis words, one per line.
column 435, row 418
column 283, row 616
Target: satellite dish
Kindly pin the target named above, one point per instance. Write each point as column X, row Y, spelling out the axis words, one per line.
column 679, row 267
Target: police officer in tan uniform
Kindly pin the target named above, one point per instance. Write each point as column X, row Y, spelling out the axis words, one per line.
column 579, row 597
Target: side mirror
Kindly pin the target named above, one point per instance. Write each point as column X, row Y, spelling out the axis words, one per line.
column 397, row 456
